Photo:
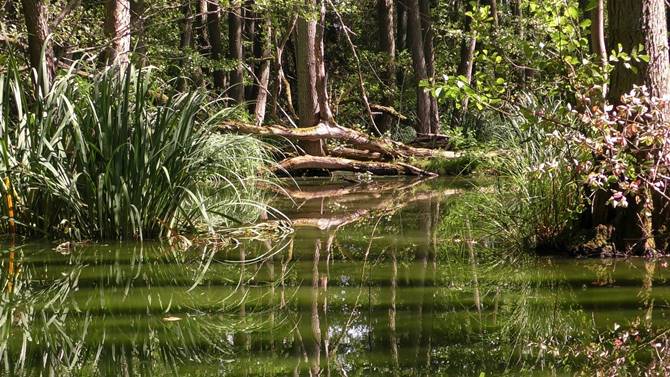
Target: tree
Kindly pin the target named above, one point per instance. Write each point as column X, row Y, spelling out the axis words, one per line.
column 633, row 23
column 137, row 9
column 417, row 49
column 385, row 20
column 306, row 67
column 263, row 75
column 467, row 61
column 236, row 51
column 429, row 55
column 215, row 43
column 117, row 29
column 37, row 24
column 185, row 39
column 598, row 31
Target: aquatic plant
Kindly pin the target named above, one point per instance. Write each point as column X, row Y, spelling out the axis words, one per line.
column 111, row 156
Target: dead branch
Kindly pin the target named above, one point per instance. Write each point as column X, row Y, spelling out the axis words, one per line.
column 334, row 163
column 322, row 131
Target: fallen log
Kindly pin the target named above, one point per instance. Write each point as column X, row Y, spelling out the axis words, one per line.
column 295, row 164
column 321, row 131
column 356, row 154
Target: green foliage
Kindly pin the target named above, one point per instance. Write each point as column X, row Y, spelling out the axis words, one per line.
column 535, row 198
column 98, row 159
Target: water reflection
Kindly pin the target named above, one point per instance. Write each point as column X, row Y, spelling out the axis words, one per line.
column 370, row 283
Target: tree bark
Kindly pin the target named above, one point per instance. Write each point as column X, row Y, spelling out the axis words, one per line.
column 429, row 54
column 634, row 22
column 264, row 73
column 117, row 30
column 185, row 40
column 137, row 10
column 467, row 61
column 342, row 164
column 494, row 14
column 216, row 46
column 385, row 19
column 598, row 32
column 36, row 14
column 323, row 131
column 321, row 76
column 235, row 51
column 306, row 67
column 415, row 40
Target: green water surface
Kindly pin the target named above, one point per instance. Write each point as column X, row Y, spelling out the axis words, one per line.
column 368, row 284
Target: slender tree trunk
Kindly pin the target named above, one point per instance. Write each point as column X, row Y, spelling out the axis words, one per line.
column 415, row 39
column 201, row 39
column 117, row 29
column 429, row 54
column 216, row 46
column 264, row 72
column 306, row 67
column 252, row 36
column 385, row 18
column 321, row 77
column 36, row 13
column 137, row 10
column 185, row 40
column 467, row 61
column 494, row 14
column 598, row 31
column 235, row 51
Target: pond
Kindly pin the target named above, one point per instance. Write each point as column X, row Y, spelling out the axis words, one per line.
column 368, row 283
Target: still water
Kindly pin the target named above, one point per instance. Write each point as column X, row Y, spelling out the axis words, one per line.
column 369, row 283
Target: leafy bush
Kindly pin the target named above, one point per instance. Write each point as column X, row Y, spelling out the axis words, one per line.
column 99, row 159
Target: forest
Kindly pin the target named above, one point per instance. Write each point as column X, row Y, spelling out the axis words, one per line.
column 317, row 187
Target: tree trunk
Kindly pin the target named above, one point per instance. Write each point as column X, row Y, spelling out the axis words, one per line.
column 598, row 32
column 306, row 67
column 301, row 163
column 252, row 35
column 117, row 29
column 264, row 72
column 467, row 61
column 36, row 13
column 415, row 40
column 386, row 47
column 185, row 41
column 137, row 10
column 321, row 78
column 494, row 14
column 235, row 51
column 634, row 22
column 429, row 54
column 216, row 46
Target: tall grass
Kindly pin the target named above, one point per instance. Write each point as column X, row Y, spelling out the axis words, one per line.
column 111, row 157
column 536, row 198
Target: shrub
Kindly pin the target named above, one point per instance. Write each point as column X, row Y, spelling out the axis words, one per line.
column 100, row 159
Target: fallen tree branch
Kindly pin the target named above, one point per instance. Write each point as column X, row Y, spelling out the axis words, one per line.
column 356, row 154
column 388, row 110
column 335, row 163
column 321, row 131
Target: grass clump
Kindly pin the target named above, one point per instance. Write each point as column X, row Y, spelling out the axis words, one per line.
column 98, row 158
column 536, row 197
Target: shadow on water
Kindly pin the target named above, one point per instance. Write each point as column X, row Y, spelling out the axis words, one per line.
column 370, row 283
